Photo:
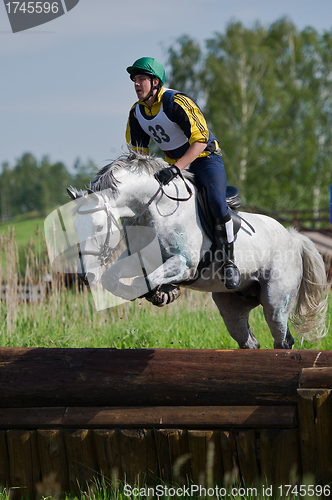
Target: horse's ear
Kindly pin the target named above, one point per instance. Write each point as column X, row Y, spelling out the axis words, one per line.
column 73, row 194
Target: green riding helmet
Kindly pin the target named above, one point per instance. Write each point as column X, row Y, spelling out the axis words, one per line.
column 147, row 66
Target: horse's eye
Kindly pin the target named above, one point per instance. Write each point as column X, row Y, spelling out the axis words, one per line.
column 99, row 228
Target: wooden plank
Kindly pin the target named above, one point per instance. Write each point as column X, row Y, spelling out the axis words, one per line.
column 31, row 418
column 315, row 417
column 280, row 457
column 194, row 417
column 151, row 377
column 246, row 452
column 53, row 463
column 82, row 462
column 316, row 378
column 23, row 463
column 4, row 460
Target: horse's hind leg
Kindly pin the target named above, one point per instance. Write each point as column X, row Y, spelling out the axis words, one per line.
column 235, row 313
column 277, row 318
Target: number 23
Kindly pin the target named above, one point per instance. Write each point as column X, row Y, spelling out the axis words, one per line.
column 163, row 137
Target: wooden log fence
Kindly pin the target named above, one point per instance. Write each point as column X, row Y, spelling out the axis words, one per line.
column 68, row 416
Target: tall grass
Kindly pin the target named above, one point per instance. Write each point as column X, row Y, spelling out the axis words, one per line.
column 103, row 489
column 67, row 317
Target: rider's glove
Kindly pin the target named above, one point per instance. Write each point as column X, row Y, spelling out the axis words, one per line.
column 167, row 174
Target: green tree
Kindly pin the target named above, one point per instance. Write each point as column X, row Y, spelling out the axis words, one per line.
column 266, row 94
column 84, row 173
column 25, row 195
column 185, row 66
column 6, row 188
column 33, row 186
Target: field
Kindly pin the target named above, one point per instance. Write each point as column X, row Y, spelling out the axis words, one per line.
column 67, row 318
column 25, row 229
column 28, row 234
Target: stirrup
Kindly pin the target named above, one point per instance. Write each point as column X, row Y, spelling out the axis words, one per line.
column 231, row 275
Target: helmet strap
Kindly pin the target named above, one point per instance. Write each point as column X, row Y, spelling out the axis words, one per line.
column 153, row 87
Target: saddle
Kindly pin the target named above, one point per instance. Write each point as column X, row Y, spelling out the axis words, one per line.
column 207, row 220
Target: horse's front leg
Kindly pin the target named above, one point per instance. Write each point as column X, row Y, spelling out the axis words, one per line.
column 174, row 269
column 160, row 290
column 127, row 266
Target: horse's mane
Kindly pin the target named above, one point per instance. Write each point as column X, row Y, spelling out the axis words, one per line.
column 134, row 161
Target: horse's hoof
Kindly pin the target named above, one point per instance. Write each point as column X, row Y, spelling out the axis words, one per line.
column 164, row 295
column 285, row 344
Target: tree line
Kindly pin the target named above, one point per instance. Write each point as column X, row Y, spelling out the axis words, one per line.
column 267, row 96
column 38, row 186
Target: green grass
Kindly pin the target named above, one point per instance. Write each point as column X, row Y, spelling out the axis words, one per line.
column 102, row 489
column 68, row 319
column 25, row 229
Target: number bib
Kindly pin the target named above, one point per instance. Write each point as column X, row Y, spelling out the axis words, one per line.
column 167, row 134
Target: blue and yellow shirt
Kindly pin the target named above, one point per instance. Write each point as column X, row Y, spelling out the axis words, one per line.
column 174, row 122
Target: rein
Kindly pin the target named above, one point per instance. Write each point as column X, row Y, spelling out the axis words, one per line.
column 188, row 188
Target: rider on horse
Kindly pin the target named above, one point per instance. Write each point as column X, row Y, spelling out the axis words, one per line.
column 176, row 124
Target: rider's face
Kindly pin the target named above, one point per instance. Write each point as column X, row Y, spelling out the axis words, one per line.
column 143, row 85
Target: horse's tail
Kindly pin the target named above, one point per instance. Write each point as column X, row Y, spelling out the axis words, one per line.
column 309, row 316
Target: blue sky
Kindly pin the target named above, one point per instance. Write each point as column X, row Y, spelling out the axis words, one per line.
column 64, row 89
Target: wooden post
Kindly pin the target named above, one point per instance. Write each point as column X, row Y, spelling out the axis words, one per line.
column 24, row 463
column 53, row 463
column 280, row 460
column 173, row 455
column 205, row 462
column 315, row 423
column 106, row 443
column 229, row 458
column 4, row 460
column 138, row 455
column 82, row 463
column 246, row 450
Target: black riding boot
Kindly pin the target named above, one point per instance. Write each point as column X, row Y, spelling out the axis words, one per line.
column 231, row 272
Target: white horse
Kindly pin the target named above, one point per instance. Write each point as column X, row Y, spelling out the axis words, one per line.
column 280, row 269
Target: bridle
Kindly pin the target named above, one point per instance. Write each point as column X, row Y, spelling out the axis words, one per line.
column 105, row 253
